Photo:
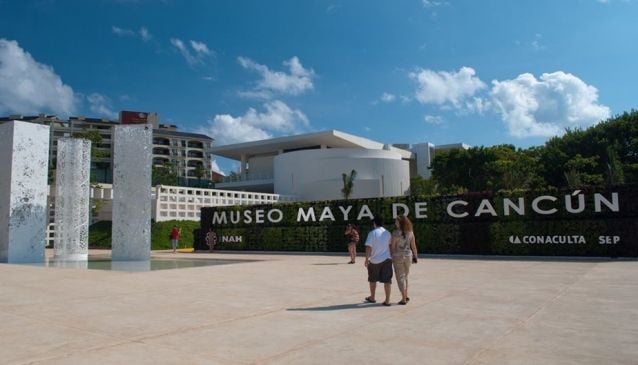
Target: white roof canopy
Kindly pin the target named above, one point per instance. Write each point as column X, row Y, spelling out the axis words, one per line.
column 330, row 139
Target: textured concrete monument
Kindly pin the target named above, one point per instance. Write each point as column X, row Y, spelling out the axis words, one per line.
column 132, row 193
column 24, row 163
column 72, row 198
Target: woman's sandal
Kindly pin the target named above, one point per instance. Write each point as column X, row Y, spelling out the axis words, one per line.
column 403, row 302
column 386, row 304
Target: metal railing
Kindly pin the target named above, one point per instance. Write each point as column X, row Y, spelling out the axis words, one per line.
column 248, row 177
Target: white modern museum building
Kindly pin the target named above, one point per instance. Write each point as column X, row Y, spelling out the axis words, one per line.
column 310, row 166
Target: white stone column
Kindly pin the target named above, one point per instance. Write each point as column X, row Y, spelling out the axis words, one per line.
column 24, row 164
column 132, row 161
column 72, row 192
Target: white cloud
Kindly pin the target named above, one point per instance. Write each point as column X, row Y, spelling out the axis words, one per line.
column 215, row 167
column 122, row 32
column 142, row 33
column 432, row 3
column 546, row 106
column 200, row 47
column 442, row 87
column 252, row 126
column 29, row 87
column 145, row 34
column 101, row 105
column 405, row 99
column 529, row 107
column 196, row 54
column 388, row 98
column 536, row 43
column 297, row 81
column 433, row 119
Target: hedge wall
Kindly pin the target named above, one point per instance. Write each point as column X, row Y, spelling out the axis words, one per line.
column 100, row 234
column 579, row 234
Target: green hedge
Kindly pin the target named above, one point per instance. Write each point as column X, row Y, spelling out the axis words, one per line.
column 442, row 234
column 100, row 234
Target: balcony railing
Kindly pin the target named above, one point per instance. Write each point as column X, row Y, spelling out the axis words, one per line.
column 247, row 177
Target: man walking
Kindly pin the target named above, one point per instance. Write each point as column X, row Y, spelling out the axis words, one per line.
column 379, row 260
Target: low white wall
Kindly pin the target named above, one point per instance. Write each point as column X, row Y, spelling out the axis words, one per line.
column 317, row 174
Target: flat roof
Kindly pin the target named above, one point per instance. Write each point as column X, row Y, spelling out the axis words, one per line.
column 330, row 138
column 166, row 132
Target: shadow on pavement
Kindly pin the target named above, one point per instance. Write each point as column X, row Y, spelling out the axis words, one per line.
column 337, row 307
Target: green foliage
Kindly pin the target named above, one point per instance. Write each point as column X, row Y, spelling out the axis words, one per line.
column 96, row 138
column 605, row 154
column 348, row 183
column 200, row 171
column 165, row 174
column 160, row 232
column 423, row 187
column 486, row 169
column 100, row 234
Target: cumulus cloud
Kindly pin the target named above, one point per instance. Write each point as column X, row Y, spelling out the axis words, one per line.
column 546, row 106
column 215, row 167
column 142, row 33
column 388, row 98
column 29, row 87
column 528, row 106
column 443, row 87
column 253, row 125
column 195, row 54
column 294, row 82
column 101, row 105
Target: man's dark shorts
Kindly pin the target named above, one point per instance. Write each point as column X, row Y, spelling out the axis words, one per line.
column 381, row 272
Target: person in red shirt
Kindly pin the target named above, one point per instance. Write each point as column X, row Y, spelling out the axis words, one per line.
column 176, row 232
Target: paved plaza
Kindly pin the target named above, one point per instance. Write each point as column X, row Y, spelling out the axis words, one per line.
column 308, row 309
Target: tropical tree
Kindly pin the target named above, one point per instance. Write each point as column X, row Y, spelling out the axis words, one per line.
column 423, row 186
column 166, row 174
column 348, row 183
column 200, row 172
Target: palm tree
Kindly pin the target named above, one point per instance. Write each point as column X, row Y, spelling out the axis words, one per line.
column 348, row 183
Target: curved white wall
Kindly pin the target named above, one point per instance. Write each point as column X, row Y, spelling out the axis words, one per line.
column 316, row 174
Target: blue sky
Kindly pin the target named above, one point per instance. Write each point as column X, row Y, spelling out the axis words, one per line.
column 403, row 71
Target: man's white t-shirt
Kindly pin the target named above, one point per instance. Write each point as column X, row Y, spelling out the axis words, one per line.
column 379, row 242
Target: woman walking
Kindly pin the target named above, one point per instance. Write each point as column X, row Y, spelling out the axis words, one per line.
column 403, row 248
column 353, row 237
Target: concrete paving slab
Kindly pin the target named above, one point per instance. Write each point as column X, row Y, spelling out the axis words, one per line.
column 290, row 309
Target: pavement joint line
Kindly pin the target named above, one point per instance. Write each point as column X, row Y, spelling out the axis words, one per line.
column 205, row 326
column 80, row 350
column 63, row 325
column 524, row 322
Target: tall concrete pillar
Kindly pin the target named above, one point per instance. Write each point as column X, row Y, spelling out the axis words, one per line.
column 133, row 147
column 24, row 164
column 72, row 198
